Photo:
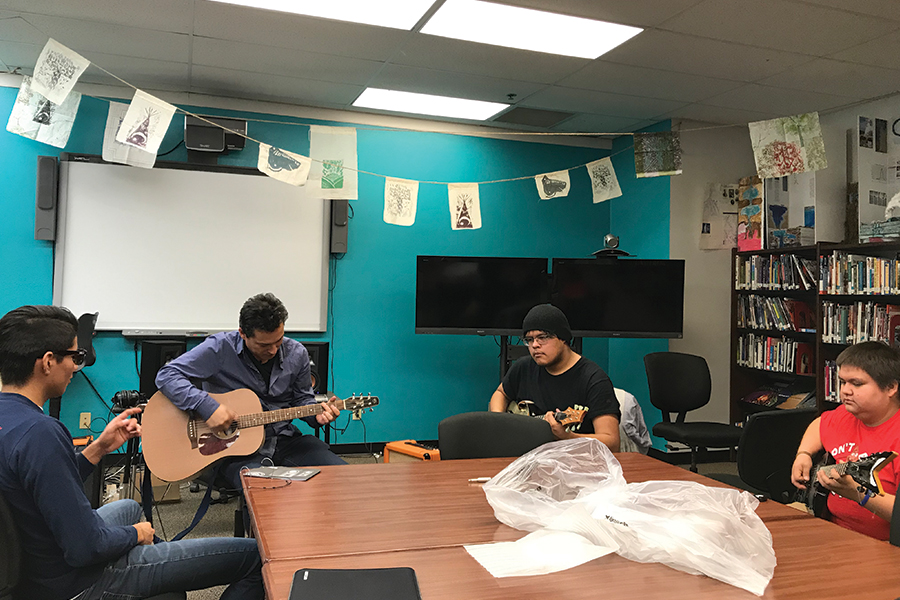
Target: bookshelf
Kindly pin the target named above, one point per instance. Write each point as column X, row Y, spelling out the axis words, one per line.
column 794, row 310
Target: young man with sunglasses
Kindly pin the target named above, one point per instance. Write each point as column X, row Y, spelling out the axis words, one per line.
column 555, row 377
column 71, row 551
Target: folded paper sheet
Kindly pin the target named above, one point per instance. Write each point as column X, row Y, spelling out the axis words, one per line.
column 37, row 118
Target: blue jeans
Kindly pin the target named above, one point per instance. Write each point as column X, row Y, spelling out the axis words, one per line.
column 177, row 566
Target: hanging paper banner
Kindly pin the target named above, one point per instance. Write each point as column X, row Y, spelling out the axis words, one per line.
column 788, row 145
column 333, row 151
column 283, row 165
column 146, row 122
column 657, row 154
column 118, row 152
column 400, row 201
column 465, row 206
column 750, row 223
column 56, row 72
column 552, row 185
column 36, row 118
column 718, row 228
column 604, row 183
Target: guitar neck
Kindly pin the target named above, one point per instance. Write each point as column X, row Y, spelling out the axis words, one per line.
column 284, row 414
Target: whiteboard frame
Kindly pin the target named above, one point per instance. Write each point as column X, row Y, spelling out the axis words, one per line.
column 302, row 318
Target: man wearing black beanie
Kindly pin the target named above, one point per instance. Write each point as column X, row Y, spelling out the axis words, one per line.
column 555, row 377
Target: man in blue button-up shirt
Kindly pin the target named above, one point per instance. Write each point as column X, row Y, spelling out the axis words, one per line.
column 258, row 357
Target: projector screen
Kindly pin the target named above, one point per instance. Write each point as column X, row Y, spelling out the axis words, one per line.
column 172, row 251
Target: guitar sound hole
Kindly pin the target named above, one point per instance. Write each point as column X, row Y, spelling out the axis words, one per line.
column 228, row 433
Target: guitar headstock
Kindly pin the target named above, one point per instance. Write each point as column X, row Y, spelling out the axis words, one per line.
column 865, row 470
column 359, row 402
column 570, row 416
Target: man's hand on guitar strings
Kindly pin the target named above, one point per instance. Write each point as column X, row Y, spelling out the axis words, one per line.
column 221, row 419
column 842, row 485
column 329, row 412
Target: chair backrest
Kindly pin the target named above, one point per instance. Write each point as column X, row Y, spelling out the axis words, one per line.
column 768, row 447
column 895, row 522
column 10, row 551
column 490, row 435
column 677, row 382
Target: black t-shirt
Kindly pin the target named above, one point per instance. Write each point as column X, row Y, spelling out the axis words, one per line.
column 584, row 386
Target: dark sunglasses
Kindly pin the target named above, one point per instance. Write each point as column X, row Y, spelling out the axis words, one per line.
column 78, row 356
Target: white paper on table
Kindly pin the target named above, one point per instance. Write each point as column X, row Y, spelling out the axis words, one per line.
column 56, row 71
column 117, row 152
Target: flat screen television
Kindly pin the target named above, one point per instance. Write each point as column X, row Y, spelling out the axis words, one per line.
column 620, row 297
column 478, row 295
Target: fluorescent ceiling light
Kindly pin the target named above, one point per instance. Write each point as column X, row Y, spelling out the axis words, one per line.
column 426, row 104
column 399, row 14
column 526, row 29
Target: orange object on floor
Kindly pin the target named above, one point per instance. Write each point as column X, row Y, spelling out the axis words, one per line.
column 410, row 450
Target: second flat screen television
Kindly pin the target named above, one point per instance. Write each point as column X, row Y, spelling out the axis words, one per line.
column 620, row 298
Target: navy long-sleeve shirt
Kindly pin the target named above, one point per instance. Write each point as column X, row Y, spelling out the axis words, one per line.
column 66, row 544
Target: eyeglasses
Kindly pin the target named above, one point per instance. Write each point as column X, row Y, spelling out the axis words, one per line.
column 78, row 355
column 541, row 338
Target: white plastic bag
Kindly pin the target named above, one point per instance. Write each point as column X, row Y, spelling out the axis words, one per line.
column 688, row 526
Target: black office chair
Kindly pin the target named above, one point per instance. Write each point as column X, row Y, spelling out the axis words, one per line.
column 766, row 453
column 490, row 435
column 680, row 383
column 11, row 557
column 895, row 523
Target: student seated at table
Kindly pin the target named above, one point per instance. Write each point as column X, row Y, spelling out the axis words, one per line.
column 555, row 377
column 70, row 550
column 260, row 358
column 867, row 422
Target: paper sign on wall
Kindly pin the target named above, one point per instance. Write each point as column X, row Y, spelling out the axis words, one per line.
column 604, row 183
column 117, row 152
column 465, row 206
column 36, row 118
column 146, row 122
column 553, row 185
column 400, row 201
column 333, row 151
column 283, row 165
column 56, row 71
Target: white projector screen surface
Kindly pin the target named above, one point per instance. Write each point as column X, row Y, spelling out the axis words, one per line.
column 168, row 251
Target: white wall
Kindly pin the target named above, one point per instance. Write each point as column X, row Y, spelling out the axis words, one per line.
column 720, row 155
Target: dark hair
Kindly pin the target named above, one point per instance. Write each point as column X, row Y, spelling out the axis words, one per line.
column 879, row 360
column 262, row 312
column 29, row 332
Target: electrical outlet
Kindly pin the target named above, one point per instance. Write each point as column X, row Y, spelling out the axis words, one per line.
column 357, row 414
column 85, row 421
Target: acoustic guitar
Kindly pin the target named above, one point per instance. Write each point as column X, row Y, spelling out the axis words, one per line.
column 177, row 445
column 863, row 471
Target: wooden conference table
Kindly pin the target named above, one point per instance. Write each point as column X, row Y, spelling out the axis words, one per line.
column 421, row 514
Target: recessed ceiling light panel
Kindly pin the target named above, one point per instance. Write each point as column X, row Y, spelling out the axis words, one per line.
column 399, row 14
column 426, row 104
column 527, row 29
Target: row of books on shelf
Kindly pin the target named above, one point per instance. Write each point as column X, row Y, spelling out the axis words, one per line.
column 783, row 314
column 774, row 272
column 783, row 355
column 860, row 322
column 832, row 384
column 845, row 273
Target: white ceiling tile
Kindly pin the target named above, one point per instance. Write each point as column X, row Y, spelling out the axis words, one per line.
column 639, row 81
column 779, row 24
column 457, row 85
column 881, row 52
column 446, row 54
column 163, row 15
column 782, row 101
column 717, row 114
column 140, row 72
column 640, row 13
column 22, row 56
column 86, row 37
column 20, row 29
column 241, row 56
column 886, row 9
column 228, row 22
column 702, row 56
column 559, row 98
column 261, row 86
column 590, row 123
column 838, row 78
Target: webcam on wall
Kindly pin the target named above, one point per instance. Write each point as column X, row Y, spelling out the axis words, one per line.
column 610, row 248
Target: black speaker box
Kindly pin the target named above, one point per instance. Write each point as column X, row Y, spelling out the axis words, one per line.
column 154, row 355
column 45, row 196
column 318, row 357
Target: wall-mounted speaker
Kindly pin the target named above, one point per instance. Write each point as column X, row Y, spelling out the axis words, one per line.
column 154, row 355
column 339, row 220
column 45, row 198
column 318, row 358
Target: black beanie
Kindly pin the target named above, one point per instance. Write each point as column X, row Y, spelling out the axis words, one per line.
column 546, row 317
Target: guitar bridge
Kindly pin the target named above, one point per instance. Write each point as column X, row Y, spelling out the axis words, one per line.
column 192, row 433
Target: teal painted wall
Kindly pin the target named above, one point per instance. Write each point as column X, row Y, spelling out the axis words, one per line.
column 420, row 378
